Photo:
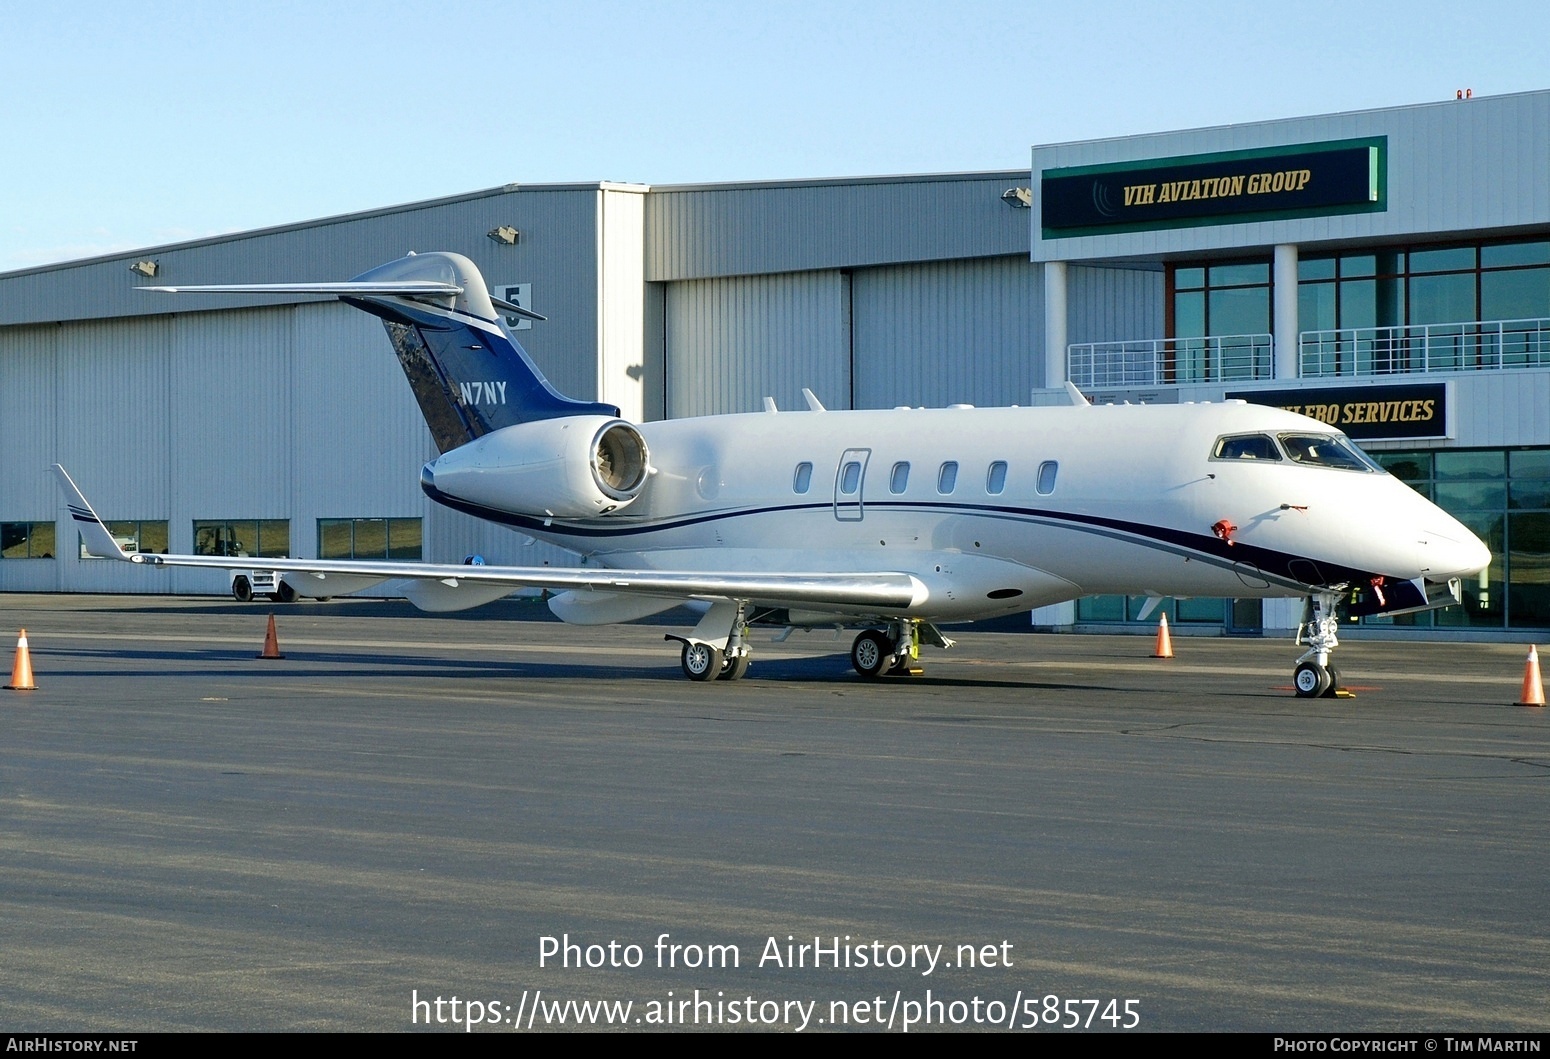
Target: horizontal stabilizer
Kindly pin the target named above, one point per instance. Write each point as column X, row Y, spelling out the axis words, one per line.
column 349, row 288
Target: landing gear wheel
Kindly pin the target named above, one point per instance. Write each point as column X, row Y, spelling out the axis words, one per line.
column 734, row 668
column 1334, row 683
column 1311, row 680
column 242, row 589
column 871, row 654
column 701, row 661
column 902, row 667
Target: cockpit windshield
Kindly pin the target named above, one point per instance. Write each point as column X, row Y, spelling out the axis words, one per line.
column 1246, row 447
column 1326, row 450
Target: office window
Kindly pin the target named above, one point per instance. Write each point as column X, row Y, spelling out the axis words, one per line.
column 260, row 538
column 370, row 538
column 26, row 540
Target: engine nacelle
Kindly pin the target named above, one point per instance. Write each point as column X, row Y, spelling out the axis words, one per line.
column 576, row 467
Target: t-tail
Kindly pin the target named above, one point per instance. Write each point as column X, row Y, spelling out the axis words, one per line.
column 468, row 372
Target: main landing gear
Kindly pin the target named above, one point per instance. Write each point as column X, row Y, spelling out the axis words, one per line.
column 894, row 651
column 1314, row 677
column 712, row 654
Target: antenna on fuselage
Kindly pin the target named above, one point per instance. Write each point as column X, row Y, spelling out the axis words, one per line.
column 1076, row 395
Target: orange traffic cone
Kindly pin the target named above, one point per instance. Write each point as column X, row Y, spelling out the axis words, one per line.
column 1164, row 642
column 271, row 642
column 21, row 671
column 1533, row 686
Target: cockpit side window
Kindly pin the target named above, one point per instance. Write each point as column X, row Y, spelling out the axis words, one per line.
column 1326, row 450
column 1246, row 447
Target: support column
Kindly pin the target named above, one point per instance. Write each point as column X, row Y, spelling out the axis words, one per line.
column 1054, row 323
column 1283, row 294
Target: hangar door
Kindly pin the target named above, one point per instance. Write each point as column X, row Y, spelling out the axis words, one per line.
column 732, row 342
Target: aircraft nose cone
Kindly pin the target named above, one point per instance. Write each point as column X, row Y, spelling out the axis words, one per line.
column 1454, row 552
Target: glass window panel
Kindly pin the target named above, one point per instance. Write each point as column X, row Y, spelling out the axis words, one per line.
column 1100, row 608
column 40, row 542
column 850, row 478
column 1209, row 610
column 153, row 536
column 1243, row 311
column 899, row 479
column 13, row 539
column 1529, row 493
column 1487, row 464
column 1523, row 294
column 1046, row 483
column 1358, row 265
column 1189, row 315
column 1452, row 259
column 1502, row 254
column 1406, row 466
column 947, row 478
column 1528, row 591
column 1315, row 268
column 371, row 538
column 1470, row 496
column 1530, row 463
column 404, row 538
column 1316, row 307
column 1236, row 275
column 1189, row 278
column 1443, row 299
column 334, row 538
column 274, row 538
column 803, row 478
column 1359, row 303
column 1484, row 593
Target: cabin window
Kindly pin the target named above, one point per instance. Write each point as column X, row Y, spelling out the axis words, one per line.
column 1246, row 447
column 850, row 478
column 1046, row 481
column 1323, row 450
column 803, row 478
column 899, row 480
column 995, row 478
column 947, row 477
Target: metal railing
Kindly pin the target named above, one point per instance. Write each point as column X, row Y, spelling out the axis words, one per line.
column 1167, row 361
column 1480, row 345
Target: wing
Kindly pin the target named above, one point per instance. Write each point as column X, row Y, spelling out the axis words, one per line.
column 881, row 592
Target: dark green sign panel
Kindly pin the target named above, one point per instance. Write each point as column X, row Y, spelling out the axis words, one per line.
column 1303, row 180
column 1366, row 412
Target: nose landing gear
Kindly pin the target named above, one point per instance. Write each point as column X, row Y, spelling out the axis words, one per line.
column 1314, row 677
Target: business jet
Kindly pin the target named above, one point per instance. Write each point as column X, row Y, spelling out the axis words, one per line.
column 893, row 522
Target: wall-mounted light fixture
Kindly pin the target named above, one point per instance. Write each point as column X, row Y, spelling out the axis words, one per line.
column 505, row 234
column 148, row 269
column 1018, row 198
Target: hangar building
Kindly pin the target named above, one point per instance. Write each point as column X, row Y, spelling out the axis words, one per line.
column 1387, row 271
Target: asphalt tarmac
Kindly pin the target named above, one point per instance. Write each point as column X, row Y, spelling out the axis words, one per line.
column 405, row 807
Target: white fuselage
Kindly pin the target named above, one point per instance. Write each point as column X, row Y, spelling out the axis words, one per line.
column 1129, row 506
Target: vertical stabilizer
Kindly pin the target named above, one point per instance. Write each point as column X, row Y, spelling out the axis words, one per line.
column 468, row 373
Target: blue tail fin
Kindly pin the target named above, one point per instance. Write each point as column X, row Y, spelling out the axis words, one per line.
column 467, row 371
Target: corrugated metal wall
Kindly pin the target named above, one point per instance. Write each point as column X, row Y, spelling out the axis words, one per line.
column 1113, row 304
column 732, row 342
column 950, row 332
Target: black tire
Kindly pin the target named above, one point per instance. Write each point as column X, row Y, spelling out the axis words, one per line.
column 241, row 589
column 701, row 661
column 735, row 668
column 902, row 667
column 1334, row 683
column 871, row 654
column 286, row 594
column 1310, row 680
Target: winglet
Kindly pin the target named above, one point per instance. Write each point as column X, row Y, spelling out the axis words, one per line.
column 99, row 541
column 1076, row 395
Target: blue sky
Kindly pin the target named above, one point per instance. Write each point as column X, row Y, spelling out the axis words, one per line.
column 132, row 125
